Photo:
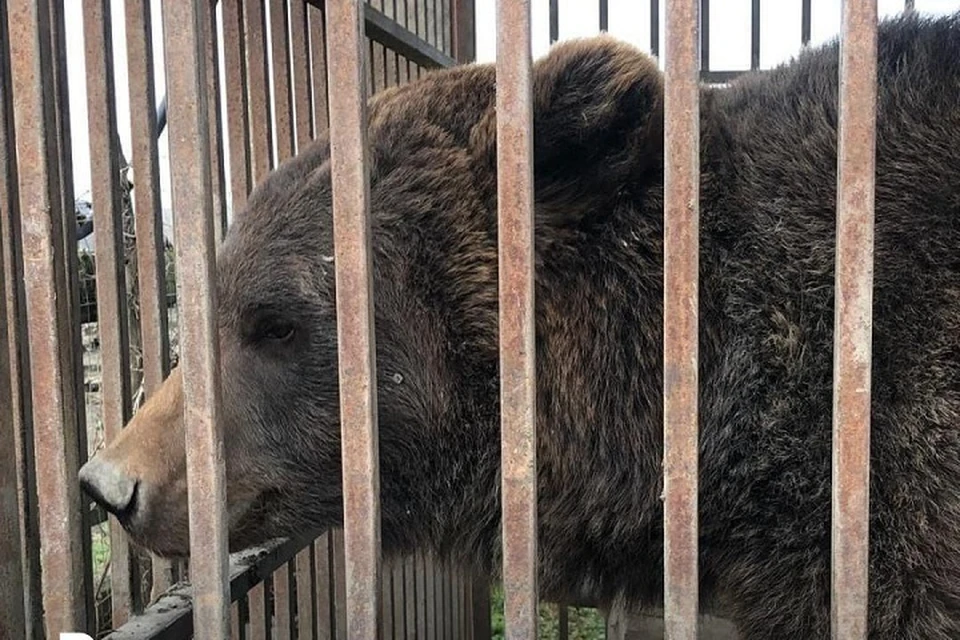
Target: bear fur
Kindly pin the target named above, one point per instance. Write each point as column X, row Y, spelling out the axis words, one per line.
column 767, row 225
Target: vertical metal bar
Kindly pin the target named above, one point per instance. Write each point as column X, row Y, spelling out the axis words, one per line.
column 280, row 43
column 430, row 593
column 259, row 621
column 480, row 595
column 302, row 81
column 755, row 34
column 340, row 584
column 680, row 319
column 378, row 67
column 420, row 588
column 386, row 604
column 853, row 323
column 188, row 116
column 704, row 34
column 318, row 49
column 306, row 589
column 805, row 20
column 111, row 281
column 410, row 596
column 604, row 15
column 148, row 219
column 13, row 622
column 399, row 608
column 70, row 319
column 323, row 595
column 50, row 338
column 16, row 348
column 282, row 603
column 217, row 177
column 517, row 347
column 238, row 126
column 356, row 342
column 258, row 91
column 655, row 27
column 564, row 622
column 554, row 21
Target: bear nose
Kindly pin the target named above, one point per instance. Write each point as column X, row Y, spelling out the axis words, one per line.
column 110, row 487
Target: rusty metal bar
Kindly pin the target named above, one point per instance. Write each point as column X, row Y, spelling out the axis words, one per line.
column 386, row 604
column 148, row 220
column 680, row 320
column 517, row 346
column 111, row 280
column 184, row 30
column 258, row 91
column 283, row 107
column 302, row 80
column 50, row 336
column 306, row 587
column 853, row 324
column 805, row 20
column 238, row 126
column 282, row 603
column 356, row 341
column 16, row 348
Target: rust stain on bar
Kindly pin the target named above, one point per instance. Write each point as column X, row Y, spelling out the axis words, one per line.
column 318, row 48
column 185, row 49
column 147, row 220
column 238, row 134
column 853, row 327
column 44, row 273
column 111, row 281
column 354, row 286
column 680, row 320
column 517, row 346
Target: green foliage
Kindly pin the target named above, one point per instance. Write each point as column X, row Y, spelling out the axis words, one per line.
column 584, row 624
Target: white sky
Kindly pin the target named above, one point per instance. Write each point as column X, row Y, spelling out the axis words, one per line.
column 628, row 19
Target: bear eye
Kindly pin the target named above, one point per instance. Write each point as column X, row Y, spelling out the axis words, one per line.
column 274, row 330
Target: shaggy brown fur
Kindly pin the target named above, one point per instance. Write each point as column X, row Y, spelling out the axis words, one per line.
column 767, row 256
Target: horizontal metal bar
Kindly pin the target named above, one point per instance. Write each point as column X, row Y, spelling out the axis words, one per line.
column 392, row 35
column 169, row 618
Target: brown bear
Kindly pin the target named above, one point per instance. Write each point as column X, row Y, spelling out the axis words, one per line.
column 767, row 229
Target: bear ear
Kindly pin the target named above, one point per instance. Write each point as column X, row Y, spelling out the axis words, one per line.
column 598, row 124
